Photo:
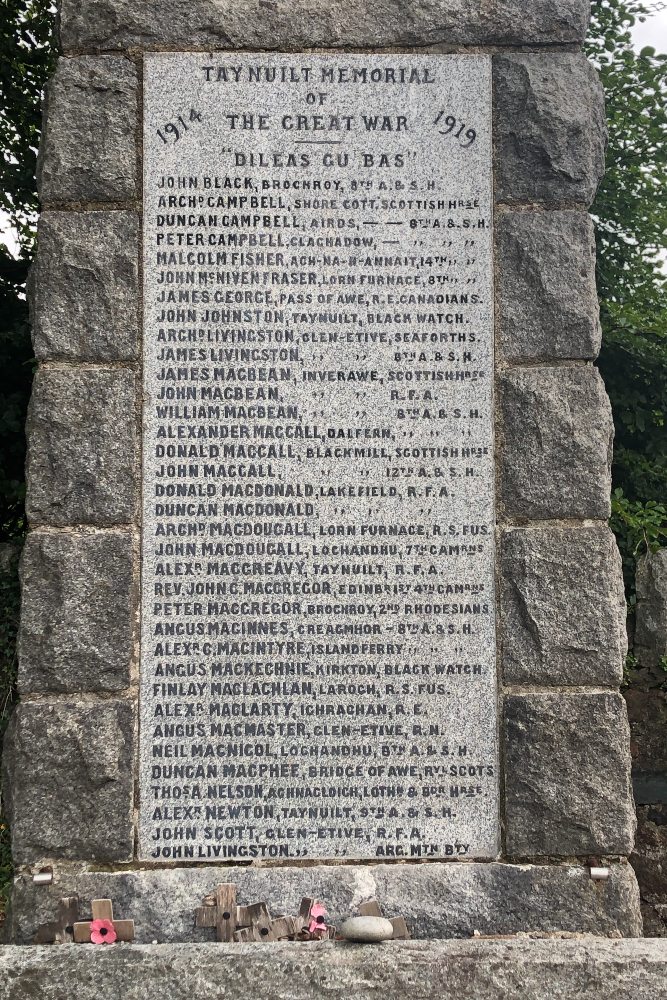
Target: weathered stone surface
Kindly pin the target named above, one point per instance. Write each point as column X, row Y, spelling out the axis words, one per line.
column 77, row 611
column 421, row 970
column 436, row 899
column 649, row 860
column 548, row 300
column 117, row 24
column 84, row 286
column 651, row 628
column 550, row 129
column 563, row 607
column 67, row 780
column 567, row 775
column 558, row 433
column 655, row 920
column 81, row 447
column 89, row 146
column 647, row 712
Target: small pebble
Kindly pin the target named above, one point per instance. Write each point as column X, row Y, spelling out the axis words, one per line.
column 367, row 929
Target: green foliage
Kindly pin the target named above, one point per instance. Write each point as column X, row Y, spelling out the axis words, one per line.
column 639, row 528
column 27, row 54
column 646, row 678
column 15, row 379
column 629, row 670
column 631, row 215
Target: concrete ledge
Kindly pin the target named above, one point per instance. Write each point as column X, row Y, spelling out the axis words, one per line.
column 450, row 970
column 437, row 900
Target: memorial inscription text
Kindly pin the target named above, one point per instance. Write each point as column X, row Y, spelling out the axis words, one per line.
column 318, row 615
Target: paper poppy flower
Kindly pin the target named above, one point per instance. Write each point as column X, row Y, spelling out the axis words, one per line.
column 317, row 923
column 102, row 932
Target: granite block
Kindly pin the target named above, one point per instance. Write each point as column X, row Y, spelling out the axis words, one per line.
column 548, row 300
column 563, row 607
column 85, row 287
column 81, row 447
column 647, row 712
column 290, row 25
column 549, row 126
column 649, row 860
column 567, row 775
column 77, row 612
column 558, row 433
column 650, row 645
column 88, row 150
column 67, row 781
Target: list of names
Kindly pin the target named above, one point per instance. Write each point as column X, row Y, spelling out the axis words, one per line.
column 318, row 613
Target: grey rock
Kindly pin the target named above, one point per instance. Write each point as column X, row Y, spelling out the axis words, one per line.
column 67, row 776
column 649, row 860
column 647, row 713
column 558, row 434
column 367, row 929
column 563, row 607
column 81, row 447
column 77, row 612
column 289, row 25
column 437, row 899
column 84, row 286
column 421, row 970
column 548, row 300
column 567, row 775
column 651, row 623
column 88, row 150
column 550, row 128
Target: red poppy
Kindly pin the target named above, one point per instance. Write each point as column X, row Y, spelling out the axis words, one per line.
column 102, row 932
column 317, row 924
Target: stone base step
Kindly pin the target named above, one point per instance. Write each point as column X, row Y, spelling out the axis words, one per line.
column 594, row 968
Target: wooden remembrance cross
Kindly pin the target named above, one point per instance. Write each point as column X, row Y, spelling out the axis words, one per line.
column 103, row 910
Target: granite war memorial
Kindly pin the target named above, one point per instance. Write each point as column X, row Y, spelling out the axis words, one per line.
column 319, row 595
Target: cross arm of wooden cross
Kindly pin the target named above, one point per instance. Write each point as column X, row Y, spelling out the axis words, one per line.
column 103, row 910
column 371, row 908
column 219, row 911
column 259, row 923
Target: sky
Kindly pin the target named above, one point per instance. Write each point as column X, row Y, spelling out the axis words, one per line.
column 652, row 32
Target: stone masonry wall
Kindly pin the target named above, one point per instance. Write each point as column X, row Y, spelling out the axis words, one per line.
column 647, row 709
column 71, row 750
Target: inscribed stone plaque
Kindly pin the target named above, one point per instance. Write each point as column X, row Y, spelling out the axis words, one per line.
column 318, row 634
